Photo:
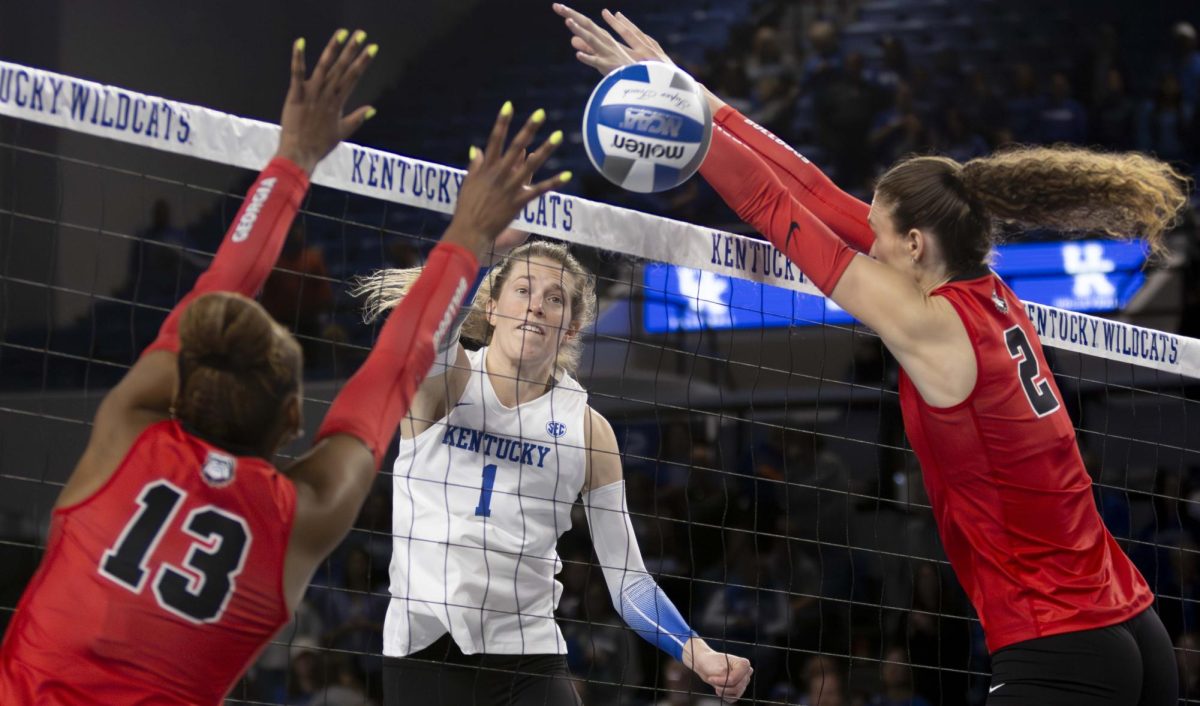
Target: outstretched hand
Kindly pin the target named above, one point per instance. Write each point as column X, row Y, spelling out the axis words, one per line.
column 597, row 48
column 312, row 123
column 497, row 185
column 727, row 674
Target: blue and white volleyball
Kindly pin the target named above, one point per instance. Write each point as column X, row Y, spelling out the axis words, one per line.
column 647, row 127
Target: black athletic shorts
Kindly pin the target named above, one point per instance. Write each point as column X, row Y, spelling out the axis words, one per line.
column 1129, row 664
column 442, row 674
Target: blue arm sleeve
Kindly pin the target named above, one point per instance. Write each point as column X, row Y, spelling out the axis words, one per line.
column 648, row 611
column 636, row 596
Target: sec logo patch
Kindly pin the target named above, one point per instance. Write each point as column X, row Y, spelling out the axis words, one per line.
column 556, row 429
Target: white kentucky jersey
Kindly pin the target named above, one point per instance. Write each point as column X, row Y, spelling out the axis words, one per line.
column 479, row 501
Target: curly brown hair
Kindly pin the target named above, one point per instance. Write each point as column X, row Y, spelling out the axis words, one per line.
column 237, row 368
column 1064, row 188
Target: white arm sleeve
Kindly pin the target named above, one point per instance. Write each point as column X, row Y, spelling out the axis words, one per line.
column 638, row 599
column 613, row 538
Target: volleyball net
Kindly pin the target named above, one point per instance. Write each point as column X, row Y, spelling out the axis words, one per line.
column 775, row 498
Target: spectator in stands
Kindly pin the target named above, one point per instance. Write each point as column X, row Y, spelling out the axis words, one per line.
column 937, row 635
column 774, row 101
column 1167, row 553
column 298, row 294
column 1186, row 62
column 896, row 673
column 306, row 673
column 1061, row 118
column 1114, row 114
column 824, row 59
column 1100, row 58
column 271, row 670
column 897, row 130
column 956, row 140
column 353, row 611
column 1187, row 657
column 1164, row 122
column 159, row 265
column 1023, row 103
column 682, row 690
column 609, row 650
column 845, row 105
column 767, row 58
column 825, row 678
column 344, row 687
column 730, row 76
column 982, row 107
column 894, row 68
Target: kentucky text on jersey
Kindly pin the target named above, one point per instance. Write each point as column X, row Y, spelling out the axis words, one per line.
column 501, row 447
column 439, row 185
column 91, row 103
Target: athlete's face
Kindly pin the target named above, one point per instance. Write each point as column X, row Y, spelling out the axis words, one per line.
column 532, row 315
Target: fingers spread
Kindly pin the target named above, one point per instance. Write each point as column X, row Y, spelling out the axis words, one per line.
column 515, row 155
column 495, row 144
column 349, row 80
column 535, row 161
column 349, row 52
column 329, row 55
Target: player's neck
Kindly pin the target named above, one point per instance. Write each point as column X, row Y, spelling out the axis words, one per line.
column 516, row 382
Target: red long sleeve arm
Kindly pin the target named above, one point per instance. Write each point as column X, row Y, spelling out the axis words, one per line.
column 747, row 184
column 377, row 397
column 251, row 246
column 844, row 214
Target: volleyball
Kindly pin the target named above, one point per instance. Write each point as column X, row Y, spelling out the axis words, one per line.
column 647, row 127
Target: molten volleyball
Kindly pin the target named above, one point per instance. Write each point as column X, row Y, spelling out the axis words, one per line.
column 647, row 126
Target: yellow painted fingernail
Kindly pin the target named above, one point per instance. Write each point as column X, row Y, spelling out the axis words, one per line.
column 341, row 36
column 370, row 113
column 299, row 45
column 360, row 37
column 372, row 50
column 473, row 153
column 564, row 177
column 506, row 109
column 538, row 115
column 556, row 138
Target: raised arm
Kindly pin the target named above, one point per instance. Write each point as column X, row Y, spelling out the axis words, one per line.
column 333, row 479
column 311, row 125
column 912, row 324
column 635, row 594
column 844, row 214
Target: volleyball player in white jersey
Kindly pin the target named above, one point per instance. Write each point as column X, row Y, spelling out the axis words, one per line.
column 497, row 446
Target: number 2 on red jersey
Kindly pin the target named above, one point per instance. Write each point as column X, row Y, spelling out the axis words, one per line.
column 1037, row 388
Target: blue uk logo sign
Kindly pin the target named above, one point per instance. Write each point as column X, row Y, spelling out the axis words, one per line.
column 555, row 429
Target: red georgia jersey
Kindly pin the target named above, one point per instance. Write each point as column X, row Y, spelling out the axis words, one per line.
column 1009, row 491
column 161, row 587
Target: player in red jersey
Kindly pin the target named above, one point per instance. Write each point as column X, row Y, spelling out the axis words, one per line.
column 1065, row 613
column 177, row 549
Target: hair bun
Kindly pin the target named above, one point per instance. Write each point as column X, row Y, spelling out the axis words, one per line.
column 223, row 331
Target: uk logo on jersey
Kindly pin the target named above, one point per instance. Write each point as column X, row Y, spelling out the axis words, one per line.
column 555, row 429
column 218, row 469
